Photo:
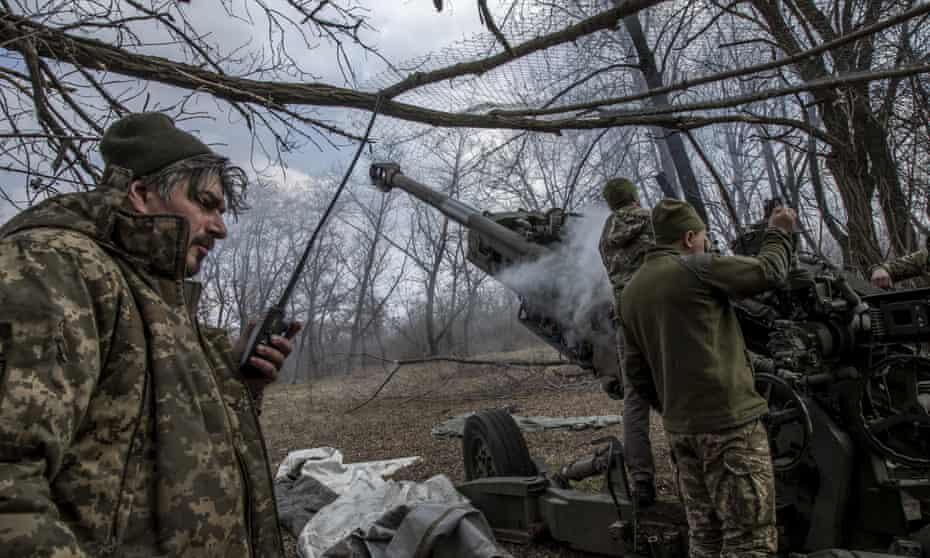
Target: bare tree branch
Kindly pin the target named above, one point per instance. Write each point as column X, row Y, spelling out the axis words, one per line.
column 605, row 20
column 276, row 95
column 915, row 12
column 488, row 21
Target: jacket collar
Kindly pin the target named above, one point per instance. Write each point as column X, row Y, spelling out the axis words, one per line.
column 192, row 290
column 157, row 243
column 661, row 251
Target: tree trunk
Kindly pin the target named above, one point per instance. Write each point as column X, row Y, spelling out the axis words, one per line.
column 860, row 160
column 357, row 330
column 667, row 177
column 668, row 189
column 739, row 174
column 432, row 282
column 676, row 145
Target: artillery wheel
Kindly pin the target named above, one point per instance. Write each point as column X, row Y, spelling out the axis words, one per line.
column 788, row 422
column 891, row 410
column 493, row 446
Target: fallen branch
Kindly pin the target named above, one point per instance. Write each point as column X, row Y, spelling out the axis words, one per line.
column 398, row 364
column 571, row 386
column 580, row 373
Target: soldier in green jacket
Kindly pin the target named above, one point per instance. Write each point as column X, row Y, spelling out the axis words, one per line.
column 903, row 268
column 126, row 428
column 626, row 237
column 684, row 352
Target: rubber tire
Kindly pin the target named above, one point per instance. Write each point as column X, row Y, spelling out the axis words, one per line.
column 497, row 430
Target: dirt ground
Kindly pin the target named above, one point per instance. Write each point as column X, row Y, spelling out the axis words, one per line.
column 398, row 422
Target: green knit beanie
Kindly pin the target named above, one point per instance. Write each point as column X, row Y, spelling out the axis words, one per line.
column 619, row 192
column 146, row 142
column 672, row 218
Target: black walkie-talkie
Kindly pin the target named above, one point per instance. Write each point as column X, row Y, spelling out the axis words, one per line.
column 274, row 322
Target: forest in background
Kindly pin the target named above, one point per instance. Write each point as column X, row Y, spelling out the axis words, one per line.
column 823, row 103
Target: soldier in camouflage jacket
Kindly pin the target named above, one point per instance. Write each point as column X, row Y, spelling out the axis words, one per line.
column 627, row 234
column 125, row 427
column 626, row 238
column 901, row 269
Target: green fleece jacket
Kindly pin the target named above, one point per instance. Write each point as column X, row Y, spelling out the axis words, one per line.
column 125, row 428
column 684, row 349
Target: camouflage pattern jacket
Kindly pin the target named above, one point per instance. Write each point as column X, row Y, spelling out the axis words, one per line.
column 684, row 350
column 907, row 267
column 123, row 429
column 626, row 237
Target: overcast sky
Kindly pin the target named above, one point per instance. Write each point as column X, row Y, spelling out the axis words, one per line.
column 401, row 30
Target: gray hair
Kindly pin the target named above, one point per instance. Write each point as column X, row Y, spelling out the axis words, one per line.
column 198, row 172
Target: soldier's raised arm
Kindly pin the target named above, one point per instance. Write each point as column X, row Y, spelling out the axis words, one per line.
column 740, row 276
column 51, row 323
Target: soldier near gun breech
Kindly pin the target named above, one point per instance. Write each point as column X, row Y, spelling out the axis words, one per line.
column 126, row 427
column 749, row 243
column 845, row 419
column 912, row 265
column 684, row 352
column 626, row 237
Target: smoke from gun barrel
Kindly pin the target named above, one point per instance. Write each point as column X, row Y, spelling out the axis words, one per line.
column 549, row 259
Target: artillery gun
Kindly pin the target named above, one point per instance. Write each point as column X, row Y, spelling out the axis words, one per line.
column 849, row 409
column 498, row 242
column 838, row 362
column 848, row 423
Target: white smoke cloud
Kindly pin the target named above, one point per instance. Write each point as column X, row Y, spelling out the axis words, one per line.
column 574, row 270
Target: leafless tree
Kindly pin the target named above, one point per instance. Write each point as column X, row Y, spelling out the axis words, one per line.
column 369, row 262
column 822, row 102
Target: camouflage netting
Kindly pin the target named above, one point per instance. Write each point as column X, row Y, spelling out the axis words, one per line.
column 525, row 82
column 565, row 71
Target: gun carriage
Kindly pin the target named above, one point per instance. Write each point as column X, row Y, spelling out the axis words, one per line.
column 848, row 387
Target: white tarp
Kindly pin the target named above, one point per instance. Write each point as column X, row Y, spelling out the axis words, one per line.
column 325, row 465
column 364, row 503
column 364, row 497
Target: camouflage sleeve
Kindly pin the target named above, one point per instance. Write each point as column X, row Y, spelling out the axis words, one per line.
column 49, row 365
column 230, row 350
column 637, row 371
column 907, row 267
column 628, row 230
column 740, row 277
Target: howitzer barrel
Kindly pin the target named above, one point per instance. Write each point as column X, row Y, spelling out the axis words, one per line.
column 509, row 243
column 498, row 241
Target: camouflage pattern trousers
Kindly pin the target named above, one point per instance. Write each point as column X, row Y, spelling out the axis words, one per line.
column 728, row 489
